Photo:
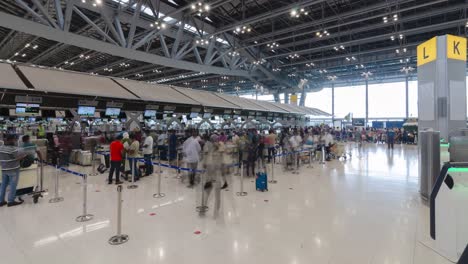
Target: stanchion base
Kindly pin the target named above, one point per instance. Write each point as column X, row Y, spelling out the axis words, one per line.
column 84, row 218
column 241, row 193
column 56, row 200
column 202, row 209
column 133, row 186
column 321, row 162
column 93, row 174
column 310, row 167
column 295, row 172
column 273, row 181
column 119, row 239
column 159, row 195
column 178, row 177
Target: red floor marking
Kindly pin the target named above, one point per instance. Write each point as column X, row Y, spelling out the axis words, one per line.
column 152, row 214
column 98, row 190
column 197, row 232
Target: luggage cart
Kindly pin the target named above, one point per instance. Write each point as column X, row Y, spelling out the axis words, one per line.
column 31, row 181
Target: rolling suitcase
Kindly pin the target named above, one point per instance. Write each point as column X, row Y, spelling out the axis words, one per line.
column 84, row 158
column 261, row 182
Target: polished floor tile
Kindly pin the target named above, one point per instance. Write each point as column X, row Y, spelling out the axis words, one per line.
column 363, row 210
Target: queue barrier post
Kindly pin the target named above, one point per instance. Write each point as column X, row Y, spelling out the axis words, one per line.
column 310, row 159
column 119, row 238
column 323, row 155
column 159, row 194
column 203, row 207
column 93, row 164
column 133, row 164
column 56, row 198
column 273, row 171
column 85, row 216
column 159, row 161
column 242, row 193
column 296, row 161
column 178, row 166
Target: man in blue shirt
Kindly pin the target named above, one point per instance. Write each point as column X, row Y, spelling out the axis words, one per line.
column 10, row 157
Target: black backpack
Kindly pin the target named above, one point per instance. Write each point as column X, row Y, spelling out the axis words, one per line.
column 27, row 161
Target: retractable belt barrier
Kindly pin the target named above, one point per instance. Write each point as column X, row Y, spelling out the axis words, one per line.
column 84, row 216
column 201, row 171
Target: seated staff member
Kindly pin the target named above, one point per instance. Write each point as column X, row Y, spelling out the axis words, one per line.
column 116, row 152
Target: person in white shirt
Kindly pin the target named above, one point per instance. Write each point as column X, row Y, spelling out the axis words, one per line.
column 191, row 149
column 148, row 153
column 329, row 141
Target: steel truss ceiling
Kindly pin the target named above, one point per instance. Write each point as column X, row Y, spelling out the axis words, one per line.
column 126, row 39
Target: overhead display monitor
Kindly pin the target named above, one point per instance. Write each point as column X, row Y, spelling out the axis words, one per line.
column 359, row 121
column 150, row 113
column 27, row 109
column 112, row 112
column 206, row 115
column 86, row 110
column 193, row 115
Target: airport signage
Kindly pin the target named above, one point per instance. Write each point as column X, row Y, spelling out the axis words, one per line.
column 28, row 99
column 359, row 121
column 152, row 107
column 88, row 103
column 456, row 48
column 114, row 105
column 427, row 51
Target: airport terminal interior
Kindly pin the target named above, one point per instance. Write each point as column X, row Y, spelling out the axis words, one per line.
column 233, row 131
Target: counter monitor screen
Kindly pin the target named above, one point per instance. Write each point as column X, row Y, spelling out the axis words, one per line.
column 113, row 112
column 193, row 115
column 86, row 110
column 150, row 113
column 22, row 108
column 206, row 115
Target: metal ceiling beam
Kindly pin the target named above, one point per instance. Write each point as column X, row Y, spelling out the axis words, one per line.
column 93, row 25
column 36, row 29
column 68, row 14
column 363, row 29
column 338, row 17
column 407, row 32
column 268, row 15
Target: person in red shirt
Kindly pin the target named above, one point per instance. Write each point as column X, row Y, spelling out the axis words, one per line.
column 116, row 153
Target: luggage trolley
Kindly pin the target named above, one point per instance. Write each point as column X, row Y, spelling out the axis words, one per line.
column 31, row 181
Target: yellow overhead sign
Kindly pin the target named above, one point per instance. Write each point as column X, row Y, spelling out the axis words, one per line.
column 427, row 51
column 293, row 99
column 456, row 48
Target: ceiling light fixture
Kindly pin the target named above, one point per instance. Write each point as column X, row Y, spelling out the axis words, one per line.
column 202, row 42
column 321, row 34
column 242, row 30
column 258, row 62
column 293, row 56
column 273, row 46
column 200, row 7
column 298, row 12
column 159, row 25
